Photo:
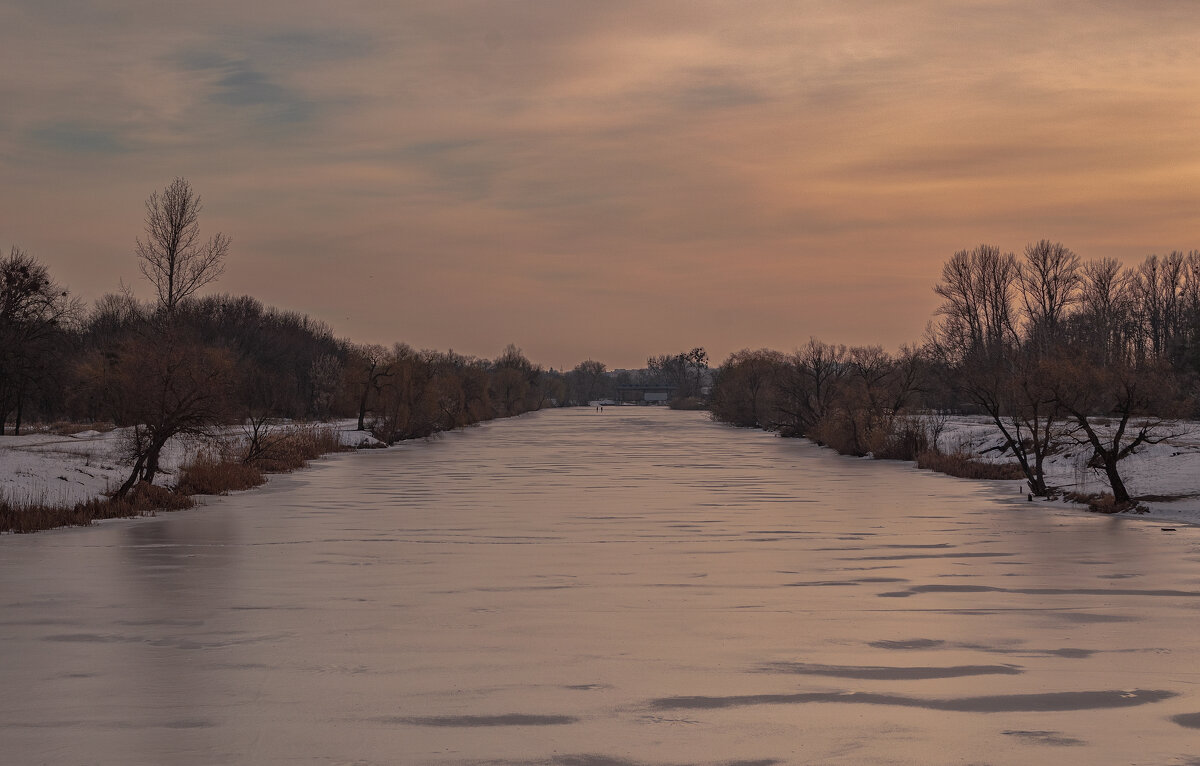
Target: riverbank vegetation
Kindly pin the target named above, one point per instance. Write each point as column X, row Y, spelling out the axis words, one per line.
column 243, row 382
column 218, row 465
column 1057, row 352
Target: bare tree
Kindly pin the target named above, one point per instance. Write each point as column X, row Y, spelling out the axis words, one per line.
column 586, row 381
column 32, row 310
column 514, row 379
column 1010, row 387
column 995, row 367
column 370, row 367
column 1049, row 286
column 173, row 257
column 809, row 386
column 671, row 370
column 744, row 388
column 978, row 287
column 324, row 377
column 1134, row 400
column 1189, row 351
column 1159, row 286
column 879, row 389
column 163, row 387
column 1106, row 311
column 698, row 364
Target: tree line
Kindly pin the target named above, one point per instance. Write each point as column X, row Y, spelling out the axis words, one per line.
column 1055, row 350
column 183, row 365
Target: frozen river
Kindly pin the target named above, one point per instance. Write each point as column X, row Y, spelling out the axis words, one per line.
column 630, row 587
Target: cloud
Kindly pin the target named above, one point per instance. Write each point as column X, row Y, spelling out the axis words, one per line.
column 244, row 86
column 236, row 82
column 794, row 167
column 76, row 138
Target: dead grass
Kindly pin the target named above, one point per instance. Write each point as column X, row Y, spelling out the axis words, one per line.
column 145, row 499
column 287, row 451
column 209, row 475
column 965, row 466
column 296, row 447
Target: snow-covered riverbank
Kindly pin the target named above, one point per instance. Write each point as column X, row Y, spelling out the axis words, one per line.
column 53, row 469
column 60, row 470
column 1165, row 476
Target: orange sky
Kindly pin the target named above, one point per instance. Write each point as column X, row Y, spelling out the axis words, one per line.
column 600, row 179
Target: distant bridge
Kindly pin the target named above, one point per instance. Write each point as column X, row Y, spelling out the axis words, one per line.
column 631, row 394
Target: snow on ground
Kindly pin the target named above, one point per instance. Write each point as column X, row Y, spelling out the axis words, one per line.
column 50, row 469
column 53, row 469
column 1168, row 471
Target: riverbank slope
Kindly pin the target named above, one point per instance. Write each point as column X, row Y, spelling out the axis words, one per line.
column 1163, row 477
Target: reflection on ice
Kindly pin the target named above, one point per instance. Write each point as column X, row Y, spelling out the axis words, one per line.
column 465, row 721
column 1001, row 703
column 880, row 673
column 1046, row 738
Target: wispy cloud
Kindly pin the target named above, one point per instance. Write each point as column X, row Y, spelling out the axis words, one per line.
column 77, row 138
column 236, row 82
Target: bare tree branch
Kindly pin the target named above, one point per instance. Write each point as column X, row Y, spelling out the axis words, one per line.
column 173, row 257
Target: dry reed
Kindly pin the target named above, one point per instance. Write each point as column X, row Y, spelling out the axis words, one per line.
column 965, row 466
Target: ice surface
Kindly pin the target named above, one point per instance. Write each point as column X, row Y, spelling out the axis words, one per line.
column 631, row 587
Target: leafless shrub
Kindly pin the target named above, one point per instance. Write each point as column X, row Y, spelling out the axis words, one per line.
column 935, row 422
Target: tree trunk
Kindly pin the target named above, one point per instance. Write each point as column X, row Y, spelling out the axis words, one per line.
column 132, row 480
column 1108, row 457
column 1120, row 494
column 1038, row 485
column 152, row 454
column 362, row 407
